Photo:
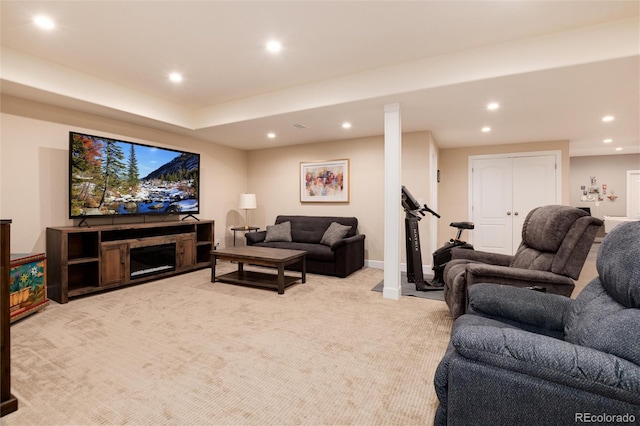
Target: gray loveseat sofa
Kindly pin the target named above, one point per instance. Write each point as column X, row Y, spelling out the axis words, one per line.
column 529, row 358
column 326, row 254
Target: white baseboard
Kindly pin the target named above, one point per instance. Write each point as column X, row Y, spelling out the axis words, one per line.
column 391, row 293
column 379, row 264
column 376, row 264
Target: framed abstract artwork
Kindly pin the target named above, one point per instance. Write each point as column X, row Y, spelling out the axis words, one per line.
column 324, row 181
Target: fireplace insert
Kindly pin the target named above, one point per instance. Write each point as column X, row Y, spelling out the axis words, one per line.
column 151, row 260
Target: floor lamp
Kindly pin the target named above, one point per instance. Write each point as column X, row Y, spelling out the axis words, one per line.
column 247, row 202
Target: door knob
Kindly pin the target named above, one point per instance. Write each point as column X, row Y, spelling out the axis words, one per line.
column 508, row 213
column 516, row 213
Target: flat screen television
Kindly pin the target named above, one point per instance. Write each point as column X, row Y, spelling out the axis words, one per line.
column 110, row 177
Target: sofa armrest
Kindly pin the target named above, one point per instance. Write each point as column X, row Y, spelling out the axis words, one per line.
column 483, row 273
column 349, row 255
column 519, row 305
column 255, row 237
column 481, row 256
column 345, row 241
column 551, row 360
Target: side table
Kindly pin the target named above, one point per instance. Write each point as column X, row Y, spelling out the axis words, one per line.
column 243, row 229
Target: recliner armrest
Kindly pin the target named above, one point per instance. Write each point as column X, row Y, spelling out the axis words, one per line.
column 551, row 360
column 484, row 273
column 481, row 256
column 521, row 305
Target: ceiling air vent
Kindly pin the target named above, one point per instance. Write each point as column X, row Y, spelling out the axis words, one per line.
column 299, row 126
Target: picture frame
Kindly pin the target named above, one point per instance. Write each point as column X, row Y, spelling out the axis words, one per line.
column 325, row 181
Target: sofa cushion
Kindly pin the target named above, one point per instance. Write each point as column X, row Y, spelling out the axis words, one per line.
column 316, row 252
column 597, row 321
column 543, row 233
column 618, row 264
column 546, row 228
column 280, row 232
column 310, row 229
column 306, row 236
column 605, row 315
column 334, row 233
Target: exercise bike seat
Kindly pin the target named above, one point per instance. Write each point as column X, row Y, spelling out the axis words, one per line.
column 462, row 225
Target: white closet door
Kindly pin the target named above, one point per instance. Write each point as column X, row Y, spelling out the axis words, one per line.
column 534, row 185
column 504, row 190
column 633, row 193
column 491, row 202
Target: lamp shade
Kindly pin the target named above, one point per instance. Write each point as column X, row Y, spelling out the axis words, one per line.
column 247, row 201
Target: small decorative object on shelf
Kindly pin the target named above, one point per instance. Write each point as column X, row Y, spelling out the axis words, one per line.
column 27, row 285
column 612, row 196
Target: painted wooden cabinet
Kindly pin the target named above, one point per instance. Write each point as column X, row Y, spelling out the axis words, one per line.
column 27, row 285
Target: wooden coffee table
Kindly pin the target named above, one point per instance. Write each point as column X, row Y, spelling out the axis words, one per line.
column 263, row 256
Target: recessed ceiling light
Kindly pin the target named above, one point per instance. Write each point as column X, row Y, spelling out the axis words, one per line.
column 493, row 106
column 607, row 140
column 271, row 135
column 607, row 118
column 44, row 22
column 346, row 125
column 274, row 46
column 176, row 77
column 618, row 149
column 486, row 129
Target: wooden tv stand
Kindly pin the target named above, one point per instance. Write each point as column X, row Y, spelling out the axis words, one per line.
column 88, row 260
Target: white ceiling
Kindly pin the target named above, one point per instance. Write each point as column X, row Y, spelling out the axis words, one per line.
column 555, row 67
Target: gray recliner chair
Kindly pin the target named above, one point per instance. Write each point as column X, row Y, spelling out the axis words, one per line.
column 529, row 358
column 555, row 243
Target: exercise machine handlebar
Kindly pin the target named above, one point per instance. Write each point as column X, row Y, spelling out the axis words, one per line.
column 412, row 207
column 431, row 211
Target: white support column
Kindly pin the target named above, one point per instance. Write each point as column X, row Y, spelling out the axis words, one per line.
column 392, row 201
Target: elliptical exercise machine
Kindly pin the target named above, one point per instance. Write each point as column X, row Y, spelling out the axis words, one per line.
column 414, row 212
column 443, row 255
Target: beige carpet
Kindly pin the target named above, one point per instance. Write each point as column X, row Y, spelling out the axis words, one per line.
column 589, row 270
column 185, row 351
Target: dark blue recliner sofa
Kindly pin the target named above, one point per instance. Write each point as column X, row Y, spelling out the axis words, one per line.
column 529, row 358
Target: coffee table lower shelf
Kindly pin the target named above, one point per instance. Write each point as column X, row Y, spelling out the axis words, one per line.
column 256, row 279
column 262, row 256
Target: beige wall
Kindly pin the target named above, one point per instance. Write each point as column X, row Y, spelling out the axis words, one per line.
column 453, row 189
column 274, row 175
column 34, row 174
column 34, row 168
column 608, row 169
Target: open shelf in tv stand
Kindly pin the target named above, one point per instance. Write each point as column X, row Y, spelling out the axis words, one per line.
column 83, row 260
